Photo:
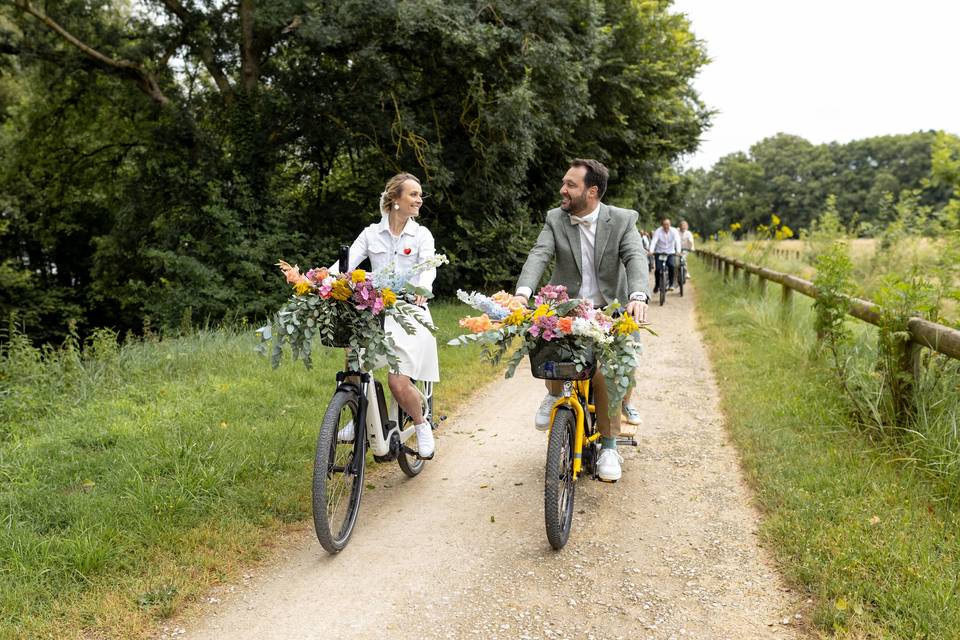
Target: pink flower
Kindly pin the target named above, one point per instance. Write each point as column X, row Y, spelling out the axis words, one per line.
column 551, row 293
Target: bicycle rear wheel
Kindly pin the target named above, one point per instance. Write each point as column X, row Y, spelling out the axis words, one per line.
column 681, row 277
column 338, row 472
column 409, row 463
column 558, row 490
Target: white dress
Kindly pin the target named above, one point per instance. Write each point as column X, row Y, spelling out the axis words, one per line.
column 416, row 352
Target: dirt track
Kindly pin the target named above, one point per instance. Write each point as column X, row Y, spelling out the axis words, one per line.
column 670, row 551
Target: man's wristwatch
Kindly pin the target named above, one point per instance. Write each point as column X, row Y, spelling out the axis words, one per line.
column 639, row 297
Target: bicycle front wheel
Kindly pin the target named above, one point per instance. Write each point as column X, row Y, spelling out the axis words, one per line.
column 338, row 472
column 664, row 279
column 681, row 278
column 558, row 490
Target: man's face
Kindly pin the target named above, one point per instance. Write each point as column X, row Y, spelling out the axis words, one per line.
column 573, row 195
column 684, row 226
column 665, row 224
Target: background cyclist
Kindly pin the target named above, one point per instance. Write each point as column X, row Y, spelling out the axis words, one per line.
column 666, row 240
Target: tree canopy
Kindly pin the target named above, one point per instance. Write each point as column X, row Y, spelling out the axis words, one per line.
column 788, row 176
column 159, row 157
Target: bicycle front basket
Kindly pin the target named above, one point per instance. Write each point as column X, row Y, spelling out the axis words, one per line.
column 555, row 361
column 342, row 332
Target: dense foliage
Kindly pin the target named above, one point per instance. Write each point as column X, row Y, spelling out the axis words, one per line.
column 792, row 178
column 156, row 158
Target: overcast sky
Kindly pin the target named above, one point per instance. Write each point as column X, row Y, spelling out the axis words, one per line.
column 825, row 69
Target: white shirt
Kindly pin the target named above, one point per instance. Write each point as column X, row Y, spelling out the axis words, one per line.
column 686, row 240
column 665, row 242
column 414, row 245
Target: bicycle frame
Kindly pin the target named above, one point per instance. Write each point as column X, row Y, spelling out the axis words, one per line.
column 572, row 401
column 380, row 420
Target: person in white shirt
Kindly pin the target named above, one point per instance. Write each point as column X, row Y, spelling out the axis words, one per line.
column 666, row 240
column 400, row 241
column 686, row 241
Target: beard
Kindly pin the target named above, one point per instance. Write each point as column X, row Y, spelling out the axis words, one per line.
column 576, row 205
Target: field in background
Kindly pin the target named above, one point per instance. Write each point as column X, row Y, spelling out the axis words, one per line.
column 133, row 477
column 871, row 263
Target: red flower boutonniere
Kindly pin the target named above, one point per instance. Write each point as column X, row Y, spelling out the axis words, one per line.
column 407, row 251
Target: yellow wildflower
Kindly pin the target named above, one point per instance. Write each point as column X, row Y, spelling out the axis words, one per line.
column 516, row 317
column 389, row 297
column 625, row 325
column 774, row 220
column 786, row 231
column 341, row 290
column 735, row 226
column 302, row 288
column 358, row 275
column 543, row 311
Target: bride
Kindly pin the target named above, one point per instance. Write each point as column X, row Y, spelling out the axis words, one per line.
column 398, row 241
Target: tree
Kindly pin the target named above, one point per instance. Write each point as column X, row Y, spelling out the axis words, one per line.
column 167, row 153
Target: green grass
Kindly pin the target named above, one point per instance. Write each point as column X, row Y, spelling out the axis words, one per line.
column 872, row 538
column 132, row 478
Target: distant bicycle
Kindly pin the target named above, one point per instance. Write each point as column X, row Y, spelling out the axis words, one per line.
column 664, row 276
column 682, row 272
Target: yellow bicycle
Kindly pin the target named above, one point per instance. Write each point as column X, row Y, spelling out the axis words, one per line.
column 573, row 447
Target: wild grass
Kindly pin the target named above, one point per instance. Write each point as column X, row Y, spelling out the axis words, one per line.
column 865, row 523
column 134, row 476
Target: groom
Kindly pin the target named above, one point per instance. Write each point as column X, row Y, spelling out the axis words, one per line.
column 599, row 256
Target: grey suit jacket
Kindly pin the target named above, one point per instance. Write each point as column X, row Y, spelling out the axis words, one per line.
column 620, row 261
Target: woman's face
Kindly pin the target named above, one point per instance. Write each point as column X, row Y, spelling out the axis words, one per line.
column 410, row 200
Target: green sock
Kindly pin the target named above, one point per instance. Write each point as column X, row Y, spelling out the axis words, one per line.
column 608, row 443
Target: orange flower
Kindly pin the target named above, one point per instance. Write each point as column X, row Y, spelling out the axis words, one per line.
column 565, row 325
column 507, row 301
column 291, row 272
column 477, row 324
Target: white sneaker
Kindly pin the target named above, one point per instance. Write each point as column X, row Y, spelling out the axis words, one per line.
column 608, row 466
column 425, row 443
column 542, row 419
column 633, row 416
column 346, row 433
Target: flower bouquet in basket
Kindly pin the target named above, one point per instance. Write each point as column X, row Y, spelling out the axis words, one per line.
column 565, row 338
column 346, row 310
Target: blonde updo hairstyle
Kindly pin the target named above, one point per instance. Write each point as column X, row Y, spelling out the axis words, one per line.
column 393, row 190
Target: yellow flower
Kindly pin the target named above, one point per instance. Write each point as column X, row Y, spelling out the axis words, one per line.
column 543, row 311
column 786, row 231
column 735, row 226
column 389, row 297
column 341, row 290
column 516, row 317
column 774, row 220
column 358, row 275
column 302, row 288
column 625, row 325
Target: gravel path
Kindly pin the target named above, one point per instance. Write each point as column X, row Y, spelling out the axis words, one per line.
column 670, row 551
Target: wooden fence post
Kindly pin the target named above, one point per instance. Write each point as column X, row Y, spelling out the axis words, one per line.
column 763, row 286
column 786, row 295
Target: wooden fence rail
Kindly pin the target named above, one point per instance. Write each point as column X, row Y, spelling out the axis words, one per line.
column 923, row 333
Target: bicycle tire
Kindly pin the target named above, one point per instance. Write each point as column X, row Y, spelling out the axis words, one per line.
column 681, row 278
column 664, row 278
column 559, row 486
column 412, row 465
column 337, row 491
